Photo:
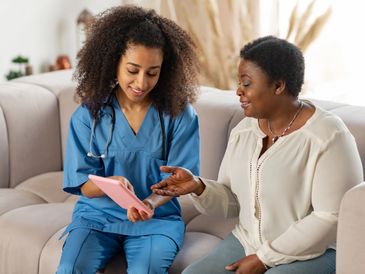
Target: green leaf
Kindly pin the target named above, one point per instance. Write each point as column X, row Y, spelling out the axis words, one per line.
column 20, row 60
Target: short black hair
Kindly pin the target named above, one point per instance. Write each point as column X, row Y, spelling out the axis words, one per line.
column 279, row 59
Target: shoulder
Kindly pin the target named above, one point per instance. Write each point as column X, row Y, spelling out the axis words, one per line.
column 187, row 115
column 325, row 126
column 81, row 114
column 188, row 112
column 247, row 124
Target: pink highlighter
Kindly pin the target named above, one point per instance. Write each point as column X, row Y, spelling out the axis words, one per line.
column 120, row 193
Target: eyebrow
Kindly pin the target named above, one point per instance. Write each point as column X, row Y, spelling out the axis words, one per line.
column 136, row 65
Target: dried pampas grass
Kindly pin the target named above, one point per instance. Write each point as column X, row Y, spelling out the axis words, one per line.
column 219, row 29
column 303, row 29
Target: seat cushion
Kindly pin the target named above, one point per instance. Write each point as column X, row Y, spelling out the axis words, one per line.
column 48, row 186
column 24, row 233
column 196, row 245
column 14, row 198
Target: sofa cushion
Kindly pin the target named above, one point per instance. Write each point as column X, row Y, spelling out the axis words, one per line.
column 224, row 109
column 213, row 225
column 4, row 152
column 51, row 253
column 54, row 81
column 24, row 233
column 15, row 198
column 196, row 246
column 48, row 186
column 34, row 147
column 350, row 235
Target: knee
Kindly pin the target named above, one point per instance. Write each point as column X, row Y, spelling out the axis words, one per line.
column 77, row 268
column 153, row 267
column 191, row 270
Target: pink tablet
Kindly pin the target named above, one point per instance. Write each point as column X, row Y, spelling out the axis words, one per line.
column 119, row 193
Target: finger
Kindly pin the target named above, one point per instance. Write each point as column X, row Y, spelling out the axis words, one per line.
column 168, row 169
column 160, row 184
column 165, row 192
column 144, row 215
column 133, row 215
column 232, row 267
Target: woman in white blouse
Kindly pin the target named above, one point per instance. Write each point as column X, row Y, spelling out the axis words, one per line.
column 284, row 173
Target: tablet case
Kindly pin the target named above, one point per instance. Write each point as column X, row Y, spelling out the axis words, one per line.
column 119, row 193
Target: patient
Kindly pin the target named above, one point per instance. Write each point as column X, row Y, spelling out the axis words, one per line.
column 284, row 173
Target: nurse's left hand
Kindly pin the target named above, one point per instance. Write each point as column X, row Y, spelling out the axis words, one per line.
column 135, row 215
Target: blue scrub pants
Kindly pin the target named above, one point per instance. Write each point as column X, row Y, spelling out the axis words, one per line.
column 86, row 251
column 230, row 250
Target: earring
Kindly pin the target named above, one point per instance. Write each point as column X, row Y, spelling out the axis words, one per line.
column 114, row 84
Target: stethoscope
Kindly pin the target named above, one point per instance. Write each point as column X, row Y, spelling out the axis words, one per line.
column 103, row 154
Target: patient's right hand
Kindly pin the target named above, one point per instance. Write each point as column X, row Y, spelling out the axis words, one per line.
column 181, row 182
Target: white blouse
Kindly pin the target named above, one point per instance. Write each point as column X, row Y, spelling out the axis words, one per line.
column 288, row 199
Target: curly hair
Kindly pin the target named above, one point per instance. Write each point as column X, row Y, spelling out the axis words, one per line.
column 279, row 59
column 110, row 35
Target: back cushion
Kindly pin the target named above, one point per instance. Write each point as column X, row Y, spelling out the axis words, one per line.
column 32, row 124
column 4, row 151
column 219, row 111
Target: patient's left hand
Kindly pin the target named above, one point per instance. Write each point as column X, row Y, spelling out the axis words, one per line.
column 250, row 264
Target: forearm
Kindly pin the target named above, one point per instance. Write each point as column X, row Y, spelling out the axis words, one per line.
column 216, row 199
column 156, row 201
column 90, row 190
column 304, row 240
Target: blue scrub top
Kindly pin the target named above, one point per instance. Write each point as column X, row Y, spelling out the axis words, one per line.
column 138, row 158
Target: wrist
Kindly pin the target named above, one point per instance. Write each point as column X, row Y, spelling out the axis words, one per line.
column 149, row 203
column 200, row 185
column 265, row 266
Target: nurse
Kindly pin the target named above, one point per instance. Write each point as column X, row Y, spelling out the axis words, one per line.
column 137, row 75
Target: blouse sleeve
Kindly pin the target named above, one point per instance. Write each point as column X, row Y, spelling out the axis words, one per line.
column 77, row 165
column 338, row 169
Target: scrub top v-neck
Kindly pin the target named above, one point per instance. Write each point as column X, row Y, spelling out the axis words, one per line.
column 134, row 156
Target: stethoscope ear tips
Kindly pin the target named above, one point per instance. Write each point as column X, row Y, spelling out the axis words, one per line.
column 89, row 154
column 102, row 156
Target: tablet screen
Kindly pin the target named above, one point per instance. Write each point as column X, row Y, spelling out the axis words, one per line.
column 120, row 193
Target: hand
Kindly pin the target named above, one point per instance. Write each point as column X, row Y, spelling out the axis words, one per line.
column 248, row 265
column 123, row 181
column 135, row 215
column 181, row 182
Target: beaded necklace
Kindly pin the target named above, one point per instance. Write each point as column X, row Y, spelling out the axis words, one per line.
column 276, row 137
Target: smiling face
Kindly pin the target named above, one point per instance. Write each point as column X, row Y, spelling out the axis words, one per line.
column 256, row 90
column 138, row 72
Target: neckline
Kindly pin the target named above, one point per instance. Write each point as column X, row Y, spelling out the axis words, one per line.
column 305, row 125
column 124, row 118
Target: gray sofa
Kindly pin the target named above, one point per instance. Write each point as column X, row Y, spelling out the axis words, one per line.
column 34, row 115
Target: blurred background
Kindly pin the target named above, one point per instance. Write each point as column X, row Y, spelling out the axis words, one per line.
column 44, row 35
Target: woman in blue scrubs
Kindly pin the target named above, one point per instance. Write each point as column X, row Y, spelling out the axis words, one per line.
column 137, row 75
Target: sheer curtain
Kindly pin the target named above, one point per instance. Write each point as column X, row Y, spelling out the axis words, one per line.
column 335, row 59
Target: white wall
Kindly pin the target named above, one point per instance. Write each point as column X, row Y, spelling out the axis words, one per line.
column 44, row 29
column 335, row 63
column 335, row 60
column 41, row 29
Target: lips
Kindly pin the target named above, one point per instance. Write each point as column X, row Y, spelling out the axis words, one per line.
column 244, row 104
column 137, row 92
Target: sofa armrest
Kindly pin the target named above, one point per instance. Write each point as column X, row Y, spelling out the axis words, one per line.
column 351, row 232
